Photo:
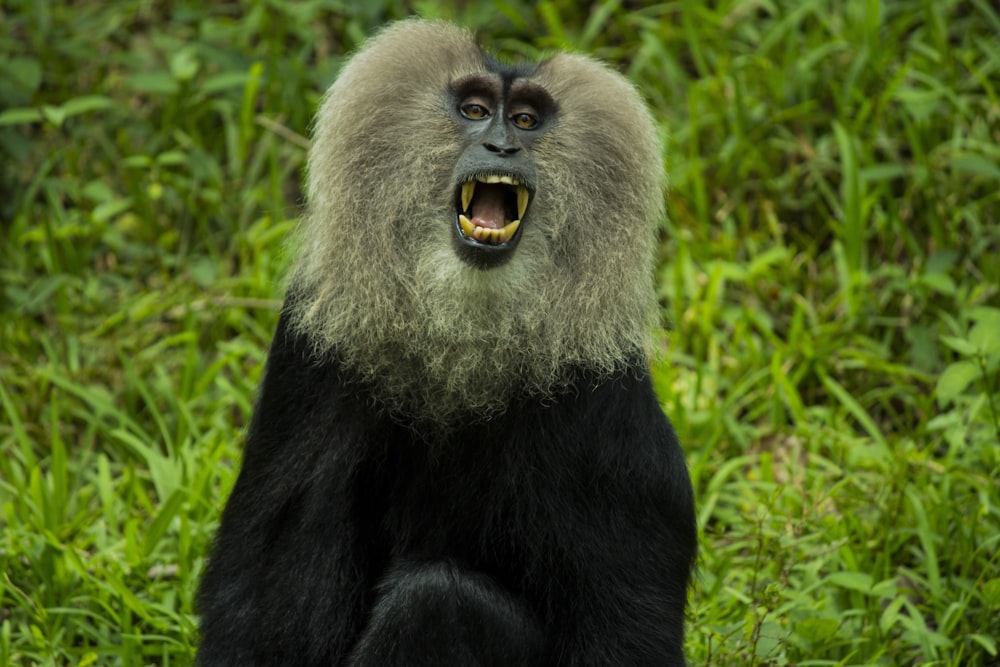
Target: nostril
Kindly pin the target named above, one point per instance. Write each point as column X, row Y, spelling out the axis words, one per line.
column 509, row 150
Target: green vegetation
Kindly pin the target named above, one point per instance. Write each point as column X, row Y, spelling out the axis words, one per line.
column 830, row 272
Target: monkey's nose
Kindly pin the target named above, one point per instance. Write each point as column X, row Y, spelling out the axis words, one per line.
column 503, row 150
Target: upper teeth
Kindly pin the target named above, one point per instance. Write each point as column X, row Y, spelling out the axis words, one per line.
column 522, row 201
column 467, row 191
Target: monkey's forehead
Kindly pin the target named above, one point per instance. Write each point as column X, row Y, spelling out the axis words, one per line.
column 413, row 54
column 414, row 57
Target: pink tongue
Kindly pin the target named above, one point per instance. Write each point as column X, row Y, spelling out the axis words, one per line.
column 487, row 206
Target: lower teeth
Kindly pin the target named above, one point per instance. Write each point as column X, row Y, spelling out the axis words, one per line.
column 487, row 234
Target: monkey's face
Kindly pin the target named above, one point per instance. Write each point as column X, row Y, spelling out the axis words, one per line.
column 500, row 120
column 476, row 229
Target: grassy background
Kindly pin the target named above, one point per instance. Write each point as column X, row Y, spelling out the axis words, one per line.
column 830, row 272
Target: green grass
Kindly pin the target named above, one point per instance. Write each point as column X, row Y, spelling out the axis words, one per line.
column 830, row 272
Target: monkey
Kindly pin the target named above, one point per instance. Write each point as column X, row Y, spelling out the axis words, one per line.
column 456, row 455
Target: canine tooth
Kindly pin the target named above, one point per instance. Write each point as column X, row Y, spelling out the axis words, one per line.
column 522, row 201
column 468, row 189
column 467, row 226
column 511, row 227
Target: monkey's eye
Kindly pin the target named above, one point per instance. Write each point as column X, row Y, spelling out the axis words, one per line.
column 474, row 111
column 525, row 121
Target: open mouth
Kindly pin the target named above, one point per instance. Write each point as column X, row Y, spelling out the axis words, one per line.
column 491, row 208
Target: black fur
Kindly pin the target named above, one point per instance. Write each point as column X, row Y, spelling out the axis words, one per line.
column 561, row 533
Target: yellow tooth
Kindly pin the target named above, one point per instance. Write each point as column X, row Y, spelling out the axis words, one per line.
column 467, row 190
column 488, row 234
column 511, row 227
column 522, row 201
column 498, row 178
column 467, row 225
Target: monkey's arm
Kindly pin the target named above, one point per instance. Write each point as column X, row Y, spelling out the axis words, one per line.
column 288, row 575
column 623, row 528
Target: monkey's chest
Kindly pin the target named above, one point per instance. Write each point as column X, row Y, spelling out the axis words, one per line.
column 465, row 508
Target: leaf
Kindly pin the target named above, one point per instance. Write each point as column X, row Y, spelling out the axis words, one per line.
column 854, row 581
column 172, row 158
column 976, row 165
column 25, row 72
column 79, row 105
column 954, row 380
column 138, row 161
column 154, row 83
column 224, row 81
column 851, row 194
column 883, row 172
column 988, row 643
column 991, row 592
column 985, row 334
column 854, row 407
column 54, row 115
column 184, row 64
column 203, row 271
column 939, row 282
column 110, row 209
column 19, row 116
column 960, row 345
column 919, row 103
column 817, row 629
column 942, row 261
column 158, row 528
